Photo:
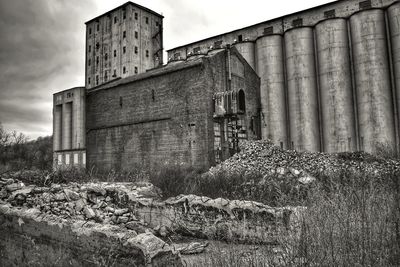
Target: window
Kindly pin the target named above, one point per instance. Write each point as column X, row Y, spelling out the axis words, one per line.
column 152, row 95
column 98, row 27
column 136, row 35
column 124, row 49
column 90, row 30
column 90, row 49
column 67, row 161
column 115, row 53
column 269, row 30
column 105, row 56
column 115, row 73
column 240, row 38
column 124, row 14
column 120, row 101
column 97, row 79
column 196, row 50
column 97, row 60
column 70, row 95
column 217, row 44
column 124, row 34
column 147, row 20
column 115, row 20
column 136, row 70
column 157, row 24
column 84, row 158
column 136, row 49
column 147, row 53
column 89, row 62
column 136, row 15
column 365, row 4
column 76, row 158
column 89, row 80
column 97, row 45
column 105, row 76
column 330, row 13
column 59, row 159
column 124, row 70
column 177, row 56
column 297, row 22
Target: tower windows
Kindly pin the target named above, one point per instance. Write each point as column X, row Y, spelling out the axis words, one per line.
column 124, row 49
column 98, row 27
column 97, row 60
column 115, row 20
column 240, row 38
column 147, row 53
column 105, row 76
column 136, row 35
column 105, row 56
column 90, row 30
column 97, row 79
column 124, row 13
column 136, row 15
column 147, row 20
column 88, row 80
column 124, row 70
column 136, row 70
column 90, row 49
column 89, row 62
column 136, row 49
column 115, row 53
column 115, row 73
column 124, row 34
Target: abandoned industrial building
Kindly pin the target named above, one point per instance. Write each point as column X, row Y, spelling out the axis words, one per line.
column 323, row 79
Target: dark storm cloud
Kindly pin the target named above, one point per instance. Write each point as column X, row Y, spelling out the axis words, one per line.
column 41, row 52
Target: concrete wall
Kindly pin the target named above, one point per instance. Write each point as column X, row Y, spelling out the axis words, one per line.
column 320, row 71
column 164, row 116
column 111, row 53
column 69, row 128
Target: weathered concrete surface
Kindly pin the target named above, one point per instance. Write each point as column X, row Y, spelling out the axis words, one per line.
column 31, row 238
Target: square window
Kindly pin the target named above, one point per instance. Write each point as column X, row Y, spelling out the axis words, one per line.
column 147, row 20
column 115, row 53
column 124, row 49
column 90, row 30
column 105, row 56
column 59, row 159
column 97, row 79
column 147, row 53
column 115, row 73
column 90, row 48
column 136, row 35
column 136, row 70
column 124, row 34
column 123, row 70
column 76, row 158
column 240, row 38
column 67, row 159
column 84, row 158
column 136, row 15
column 115, row 20
column 89, row 62
column 157, row 23
column 98, row 26
column 124, row 14
column 136, row 49
column 89, row 80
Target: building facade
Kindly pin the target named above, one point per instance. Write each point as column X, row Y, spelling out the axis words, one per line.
column 69, row 138
column 330, row 75
column 192, row 112
column 122, row 42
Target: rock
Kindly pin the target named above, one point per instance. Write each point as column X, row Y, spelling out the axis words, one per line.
column 60, row 196
column 193, row 248
column 71, row 195
column 307, row 179
column 55, row 188
column 3, row 193
column 97, row 189
column 92, row 198
column 163, row 231
column 13, row 187
column 79, row 205
column 108, row 199
column 132, row 225
column 89, row 213
column 122, row 219
column 119, row 212
column 281, row 171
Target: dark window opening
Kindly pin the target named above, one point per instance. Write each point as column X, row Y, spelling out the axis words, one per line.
column 196, row 50
column 147, row 53
column 136, row 16
column 97, row 45
column 90, row 30
column 98, row 27
column 242, row 101
column 115, row 20
column 89, row 62
column 90, row 48
column 136, row 35
column 147, row 20
column 124, row 34
column 157, row 23
column 218, row 44
column 97, row 79
column 365, row 4
column 297, row 22
column 120, row 101
column 105, row 56
column 136, row 49
column 105, row 76
column 124, row 14
column 330, row 13
column 136, row 70
column 97, row 60
column 177, row 56
column 152, row 95
column 124, row 70
column 124, row 49
column 268, row 30
column 281, row 145
column 115, row 73
column 88, row 80
column 240, row 38
column 115, row 53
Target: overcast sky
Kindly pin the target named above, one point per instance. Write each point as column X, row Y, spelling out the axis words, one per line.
column 42, row 44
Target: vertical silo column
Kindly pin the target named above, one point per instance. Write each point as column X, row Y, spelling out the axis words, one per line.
column 372, row 79
column 394, row 25
column 67, row 126
column 302, row 89
column 246, row 49
column 272, row 88
column 335, row 86
column 57, row 129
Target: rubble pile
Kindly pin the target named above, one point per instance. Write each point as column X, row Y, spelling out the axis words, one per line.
column 267, row 159
column 98, row 202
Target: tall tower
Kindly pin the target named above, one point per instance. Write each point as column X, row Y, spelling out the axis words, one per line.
column 123, row 42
